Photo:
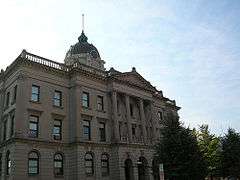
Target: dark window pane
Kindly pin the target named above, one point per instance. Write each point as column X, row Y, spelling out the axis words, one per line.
column 57, row 130
column 7, row 99
column 102, row 132
column 15, row 94
column 12, row 124
column 86, row 130
column 8, row 163
column 89, row 164
column 35, row 93
column 105, row 165
column 100, row 103
column 5, row 130
column 33, row 126
column 57, row 98
column 85, row 99
column 33, row 163
column 58, row 164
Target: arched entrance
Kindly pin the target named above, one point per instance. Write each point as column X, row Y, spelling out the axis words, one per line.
column 143, row 169
column 128, row 169
column 155, row 169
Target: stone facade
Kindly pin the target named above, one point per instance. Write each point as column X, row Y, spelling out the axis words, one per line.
column 109, row 120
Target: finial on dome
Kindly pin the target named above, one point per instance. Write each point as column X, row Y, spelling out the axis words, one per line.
column 82, row 38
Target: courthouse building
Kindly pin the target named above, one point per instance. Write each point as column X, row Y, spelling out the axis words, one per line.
column 76, row 120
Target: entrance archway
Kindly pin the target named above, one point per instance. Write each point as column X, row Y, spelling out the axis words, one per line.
column 128, row 169
column 143, row 169
column 155, row 169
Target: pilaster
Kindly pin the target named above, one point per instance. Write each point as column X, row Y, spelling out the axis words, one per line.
column 143, row 120
column 115, row 116
column 128, row 118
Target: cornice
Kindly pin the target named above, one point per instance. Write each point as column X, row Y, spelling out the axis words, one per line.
column 72, row 144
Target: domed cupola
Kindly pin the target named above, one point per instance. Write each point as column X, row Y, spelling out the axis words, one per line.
column 82, row 46
column 84, row 53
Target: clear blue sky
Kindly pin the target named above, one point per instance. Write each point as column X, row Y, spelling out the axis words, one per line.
column 188, row 49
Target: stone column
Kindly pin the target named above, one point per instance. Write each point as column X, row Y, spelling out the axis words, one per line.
column 115, row 116
column 153, row 122
column 143, row 120
column 128, row 118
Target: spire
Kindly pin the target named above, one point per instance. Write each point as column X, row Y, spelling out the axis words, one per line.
column 82, row 22
column 83, row 38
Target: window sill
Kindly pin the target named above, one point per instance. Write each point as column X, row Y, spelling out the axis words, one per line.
column 86, row 108
column 36, row 102
column 59, row 176
column 29, row 174
column 87, row 140
column 57, row 139
column 33, row 137
column 102, row 111
column 59, row 107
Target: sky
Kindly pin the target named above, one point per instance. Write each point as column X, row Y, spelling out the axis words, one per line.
column 189, row 49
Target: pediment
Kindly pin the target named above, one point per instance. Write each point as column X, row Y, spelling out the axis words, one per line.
column 135, row 78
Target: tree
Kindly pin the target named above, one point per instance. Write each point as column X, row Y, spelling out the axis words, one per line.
column 231, row 154
column 179, row 152
column 210, row 147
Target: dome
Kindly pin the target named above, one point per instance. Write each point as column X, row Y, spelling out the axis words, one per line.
column 82, row 46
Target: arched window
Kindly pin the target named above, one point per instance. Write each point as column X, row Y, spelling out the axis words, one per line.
column 8, row 163
column 105, row 165
column 58, row 164
column 89, row 164
column 33, row 163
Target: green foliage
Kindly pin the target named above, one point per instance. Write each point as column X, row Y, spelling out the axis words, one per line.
column 231, row 154
column 179, row 152
column 210, row 146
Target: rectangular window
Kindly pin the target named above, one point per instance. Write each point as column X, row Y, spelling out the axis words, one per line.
column 160, row 115
column 33, row 126
column 100, row 103
column 57, row 130
column 14, row 95
column 5, row 130
column 12, row 125
column 87, row 130
column 85, row 99
column 7, row 99
column 102, row 131
column 35, row 93
column 57, row 99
